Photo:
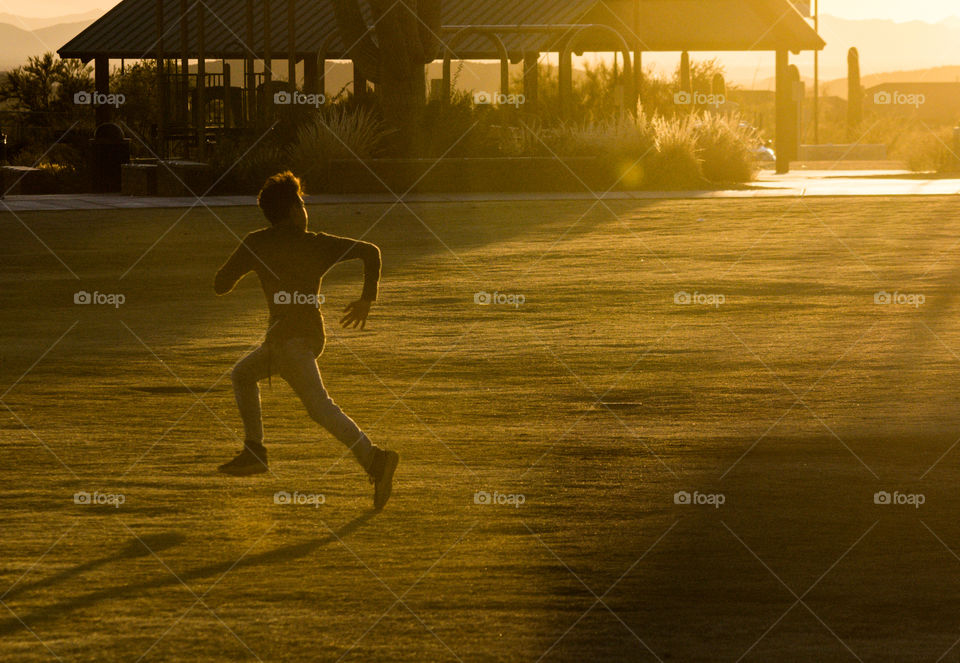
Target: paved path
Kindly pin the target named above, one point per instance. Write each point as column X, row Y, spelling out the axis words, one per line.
column 799, row 183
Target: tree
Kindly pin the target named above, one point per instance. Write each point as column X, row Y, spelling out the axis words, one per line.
column 406, row 41
column 46, row 84
column 701, row 75
column 141, row 104
column 32, row 86
column 73, row 76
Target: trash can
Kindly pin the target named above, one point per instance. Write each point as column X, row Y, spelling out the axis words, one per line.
column 109, row 150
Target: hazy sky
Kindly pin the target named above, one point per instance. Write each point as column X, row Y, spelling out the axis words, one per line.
column 899, row 10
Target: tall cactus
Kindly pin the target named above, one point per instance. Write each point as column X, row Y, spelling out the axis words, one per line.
column 406, row 41
column 685, row 83
column 854, row 95
column 718, row 86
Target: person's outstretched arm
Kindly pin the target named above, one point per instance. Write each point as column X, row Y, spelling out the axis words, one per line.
column 343, row 248
column 238, row 265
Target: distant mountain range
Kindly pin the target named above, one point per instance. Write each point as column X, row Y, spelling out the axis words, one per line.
column 911, row 50
column 32, row 23
column 19, row 44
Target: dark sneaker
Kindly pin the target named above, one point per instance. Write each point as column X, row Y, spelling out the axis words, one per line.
column 247, row 462
column 381, row 475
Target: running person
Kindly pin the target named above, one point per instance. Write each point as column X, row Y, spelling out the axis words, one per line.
column 291, row 262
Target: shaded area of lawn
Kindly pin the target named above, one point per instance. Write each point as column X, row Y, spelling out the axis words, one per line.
column 796, row 399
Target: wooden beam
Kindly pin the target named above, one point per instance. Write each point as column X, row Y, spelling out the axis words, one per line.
column 162, row 84
column 311, row 81
column 531, row 79
column 201, row 110
column 784, row 95
column 292, row 44
column 637, row 55
column 637, row 76
column 183, row 107
column 227, row 95
column 267, row 61
column 322, row 74
column 250, row 65
column 565, row 81
column 359, row 82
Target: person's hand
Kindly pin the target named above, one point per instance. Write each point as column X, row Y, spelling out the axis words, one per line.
column 356, row 314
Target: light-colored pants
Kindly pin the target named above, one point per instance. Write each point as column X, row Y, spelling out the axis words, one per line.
column 294, row 361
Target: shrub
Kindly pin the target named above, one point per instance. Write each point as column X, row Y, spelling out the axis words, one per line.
column 242, row 167
column 926, row 151
column 337, row 133
column 726, row 147
column 625, row 145
column 63, row 168
column 676, row 163
column 460, row 129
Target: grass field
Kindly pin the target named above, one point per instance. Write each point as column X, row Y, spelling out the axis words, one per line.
column 793, row 402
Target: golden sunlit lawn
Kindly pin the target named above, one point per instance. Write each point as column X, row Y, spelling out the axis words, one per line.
column 781, row 399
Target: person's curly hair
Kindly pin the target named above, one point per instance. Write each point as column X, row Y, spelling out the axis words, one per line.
column 280, row 193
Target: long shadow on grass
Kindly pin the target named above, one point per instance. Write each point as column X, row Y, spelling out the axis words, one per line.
column 134, row 548
column 138, row 548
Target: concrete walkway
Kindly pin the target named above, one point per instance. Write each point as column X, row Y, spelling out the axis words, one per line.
column 801, row 183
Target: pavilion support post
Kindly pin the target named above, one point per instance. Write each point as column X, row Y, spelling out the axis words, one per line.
column 251, row 83
column 183, row 86
column 102, row 83
column 784, row 98
column 267, row 61
column 816, row 76
column 359, row 82
column 227, row 95
column 311, row 81
column 322, row 73
column 504, row 76
column 531, row 79
column 565, row 74
column 637, row 77
column 162, row 84
column 637, row 57
column 292, row 44
column 201, row 110
column 446, row 82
